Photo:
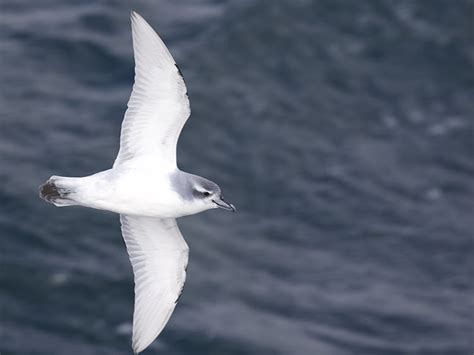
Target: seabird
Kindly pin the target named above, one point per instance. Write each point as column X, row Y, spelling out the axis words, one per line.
column 146, row 187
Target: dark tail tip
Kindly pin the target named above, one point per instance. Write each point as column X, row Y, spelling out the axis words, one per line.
column 49, row 191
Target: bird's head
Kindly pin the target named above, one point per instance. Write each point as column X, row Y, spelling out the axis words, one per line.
column 199, row 193
column 209, row 194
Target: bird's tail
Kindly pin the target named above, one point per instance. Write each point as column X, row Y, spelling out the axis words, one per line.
column 59, row 190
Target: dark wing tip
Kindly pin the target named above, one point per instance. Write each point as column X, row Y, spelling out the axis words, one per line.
column 179, row 70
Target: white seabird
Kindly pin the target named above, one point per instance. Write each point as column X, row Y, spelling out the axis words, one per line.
column 145, row 185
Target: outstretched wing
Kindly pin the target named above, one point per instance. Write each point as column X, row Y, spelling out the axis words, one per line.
column 158, row 106
column 159, row 256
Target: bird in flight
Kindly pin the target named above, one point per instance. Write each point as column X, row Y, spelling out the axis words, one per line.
column 146, row 187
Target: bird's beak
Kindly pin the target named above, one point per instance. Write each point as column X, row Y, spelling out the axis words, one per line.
column 225, row 205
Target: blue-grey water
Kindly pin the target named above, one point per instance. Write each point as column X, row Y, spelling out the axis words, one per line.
column 341, row 130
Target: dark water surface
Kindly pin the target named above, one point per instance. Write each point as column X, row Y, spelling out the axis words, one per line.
column 342, row 131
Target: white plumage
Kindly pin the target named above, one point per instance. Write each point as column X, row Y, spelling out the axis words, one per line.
column 157, row 110
column 158, row 106
column 145, row 186
column 159, row 256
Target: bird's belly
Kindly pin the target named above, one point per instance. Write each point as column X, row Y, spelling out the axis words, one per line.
column 141, row 194
column 138, row 207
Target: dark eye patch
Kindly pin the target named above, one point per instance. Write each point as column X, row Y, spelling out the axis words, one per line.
column 206, row 193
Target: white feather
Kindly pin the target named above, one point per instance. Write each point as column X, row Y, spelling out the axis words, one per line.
column 158, row 106
column 159, row 256
column 140, row 185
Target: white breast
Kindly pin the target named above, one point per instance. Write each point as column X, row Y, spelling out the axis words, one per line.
column 133, row 192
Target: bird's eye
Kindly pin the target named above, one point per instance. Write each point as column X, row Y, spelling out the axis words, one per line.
column 206, row 193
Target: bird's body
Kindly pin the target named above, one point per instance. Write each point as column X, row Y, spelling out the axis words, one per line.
column 145, row 185
column 146, row 192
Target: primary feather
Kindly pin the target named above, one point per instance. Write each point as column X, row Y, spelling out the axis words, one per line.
column 158, row 106
column 159, row 256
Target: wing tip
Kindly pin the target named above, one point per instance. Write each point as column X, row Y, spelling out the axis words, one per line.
column 136, row 350
column 134, row 14
column 139, row 24
column 136, row 347
column 139, row 346
column 136, row 17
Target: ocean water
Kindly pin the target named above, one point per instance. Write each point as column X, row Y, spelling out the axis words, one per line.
column 341, row 130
